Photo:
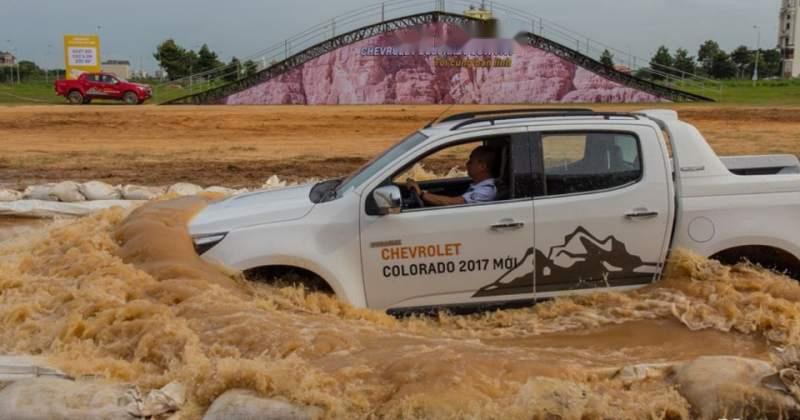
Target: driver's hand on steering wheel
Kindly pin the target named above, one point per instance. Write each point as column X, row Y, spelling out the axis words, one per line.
column 410, row 183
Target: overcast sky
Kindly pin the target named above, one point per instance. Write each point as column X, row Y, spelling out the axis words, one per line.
column 131, row 29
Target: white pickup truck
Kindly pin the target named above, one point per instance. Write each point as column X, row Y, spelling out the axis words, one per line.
column 585, row 200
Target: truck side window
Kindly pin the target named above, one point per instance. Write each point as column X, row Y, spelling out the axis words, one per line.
column 584, row 162
column 443, row 171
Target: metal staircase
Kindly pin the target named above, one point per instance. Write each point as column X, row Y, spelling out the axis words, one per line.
column 607, row 72
column 323, row 38
column 215, row 95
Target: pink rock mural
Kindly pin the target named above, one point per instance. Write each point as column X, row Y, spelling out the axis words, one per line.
column 349, row 76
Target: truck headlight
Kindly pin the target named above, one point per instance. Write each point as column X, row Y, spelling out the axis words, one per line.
column 204, row 242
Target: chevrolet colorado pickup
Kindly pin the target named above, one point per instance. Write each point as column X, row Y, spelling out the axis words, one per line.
column 585, row 200
column 102, row 86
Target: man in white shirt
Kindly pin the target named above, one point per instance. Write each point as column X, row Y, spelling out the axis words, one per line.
column 483, row 189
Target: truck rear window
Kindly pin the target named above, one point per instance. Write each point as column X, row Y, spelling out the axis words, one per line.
column 582, row 162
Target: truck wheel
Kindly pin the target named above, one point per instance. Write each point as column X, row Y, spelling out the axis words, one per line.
column 130, row 98
column 75, row 97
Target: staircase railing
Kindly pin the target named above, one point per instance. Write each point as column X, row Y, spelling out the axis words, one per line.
column 513, row 20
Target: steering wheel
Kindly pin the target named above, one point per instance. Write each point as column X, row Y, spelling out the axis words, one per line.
column 415, row 199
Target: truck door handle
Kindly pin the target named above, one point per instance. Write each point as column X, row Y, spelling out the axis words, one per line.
column 640, row 214
column 507, row 225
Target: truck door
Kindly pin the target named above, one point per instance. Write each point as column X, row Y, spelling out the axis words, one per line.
column 461, row 255
column 95, row 86
column 604, row 215
column 110, row 86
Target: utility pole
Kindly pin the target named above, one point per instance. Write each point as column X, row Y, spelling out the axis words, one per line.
column 758, row 54
column 46, row 71
column 11, row 65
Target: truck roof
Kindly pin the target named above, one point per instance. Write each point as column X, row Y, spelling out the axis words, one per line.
column 523, row 116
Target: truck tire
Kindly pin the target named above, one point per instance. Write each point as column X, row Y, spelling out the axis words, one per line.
column 75, row 97
column 130, row 98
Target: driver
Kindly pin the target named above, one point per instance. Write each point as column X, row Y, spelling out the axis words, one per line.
column 482, row 189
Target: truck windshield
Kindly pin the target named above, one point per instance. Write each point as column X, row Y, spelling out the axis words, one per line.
column 379, row 162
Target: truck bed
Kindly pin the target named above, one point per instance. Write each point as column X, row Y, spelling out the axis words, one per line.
column 762, row 164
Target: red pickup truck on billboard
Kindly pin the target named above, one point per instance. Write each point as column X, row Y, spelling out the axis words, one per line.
column 102, row 86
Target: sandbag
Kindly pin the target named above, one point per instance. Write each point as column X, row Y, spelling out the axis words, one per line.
column 273, row 182
column 240, row 404
column 9, row 195
column 96, row 190
column 42, row 208
column 40, row 192
column 139, row 192
column 67, row 192
column 56, row 399
column 185, row 188
column 225, row 190
column 731, row 386
column 15, row 368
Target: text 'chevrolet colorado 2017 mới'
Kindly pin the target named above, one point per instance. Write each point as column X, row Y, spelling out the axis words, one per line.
column 584, row 200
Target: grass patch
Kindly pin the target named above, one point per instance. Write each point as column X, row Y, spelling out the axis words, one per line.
column 734, row 92
column 41, row 92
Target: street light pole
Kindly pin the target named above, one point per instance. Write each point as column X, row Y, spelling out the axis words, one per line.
column 10, row 66
column 758, row 54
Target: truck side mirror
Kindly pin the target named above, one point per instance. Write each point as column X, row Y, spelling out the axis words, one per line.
column 388, row 199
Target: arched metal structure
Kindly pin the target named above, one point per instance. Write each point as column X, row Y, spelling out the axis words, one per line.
column 218, row 94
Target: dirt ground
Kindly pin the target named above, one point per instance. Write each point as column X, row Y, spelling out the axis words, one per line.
column 243, row 146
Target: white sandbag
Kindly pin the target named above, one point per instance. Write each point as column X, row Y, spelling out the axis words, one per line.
column 225, row 190
column 139, row 192
column 42, row 208
column 273, row 182
column 456, row 172
column 40, row 192
column 55, row 398
column 9, row 195
column 185, row 188
column 96, row 190
column 67, row 192
column 15, row 368
column 241, row 404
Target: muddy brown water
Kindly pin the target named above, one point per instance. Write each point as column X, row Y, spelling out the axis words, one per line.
column 124, row 296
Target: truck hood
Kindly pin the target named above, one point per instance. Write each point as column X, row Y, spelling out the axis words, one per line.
column 255, row 208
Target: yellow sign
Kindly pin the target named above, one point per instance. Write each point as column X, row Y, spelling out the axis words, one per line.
column 81, row 54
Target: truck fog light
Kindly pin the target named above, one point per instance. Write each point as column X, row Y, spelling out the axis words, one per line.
column 203, row 243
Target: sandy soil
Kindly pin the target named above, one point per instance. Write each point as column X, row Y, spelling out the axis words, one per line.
column 243, row 146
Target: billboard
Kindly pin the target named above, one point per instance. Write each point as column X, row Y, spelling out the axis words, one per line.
column 81, row 54
column 434, row 64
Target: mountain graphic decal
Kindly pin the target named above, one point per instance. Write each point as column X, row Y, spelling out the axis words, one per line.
column 581, row 261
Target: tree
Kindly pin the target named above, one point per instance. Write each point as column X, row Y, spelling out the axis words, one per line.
column 743, row 59
column 771, row 63
column 250, row 68
column 207, row 60
column 722, row 67
column 190, row 61
column 232, row 70
column 607, row 58
column 684, row 62
column 706, row 54
column 29, row 70
column 174, row 59
column 661, row 62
